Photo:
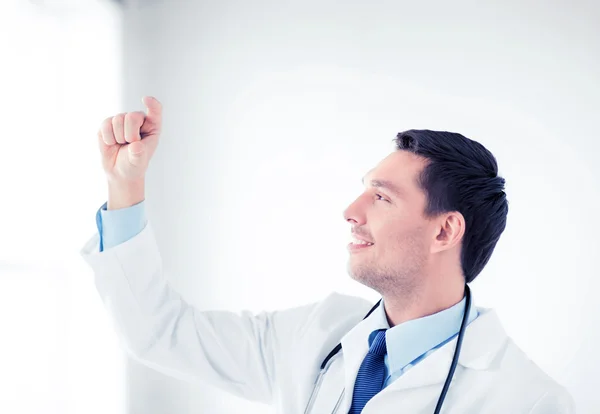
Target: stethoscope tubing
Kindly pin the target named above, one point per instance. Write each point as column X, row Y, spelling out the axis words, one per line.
column 328, row 359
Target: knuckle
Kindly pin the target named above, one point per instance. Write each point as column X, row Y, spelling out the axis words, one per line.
column 107, row 123
column 104, row 138
column 118, row 119
column 131, row 118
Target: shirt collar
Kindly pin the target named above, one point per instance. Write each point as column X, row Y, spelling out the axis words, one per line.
column 409, row 340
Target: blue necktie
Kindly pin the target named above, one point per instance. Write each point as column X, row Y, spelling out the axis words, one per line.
column 371, row 375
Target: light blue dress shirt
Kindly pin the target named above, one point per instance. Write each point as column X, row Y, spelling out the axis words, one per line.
column 410, row 342
column 118, row 226
column 407, row 343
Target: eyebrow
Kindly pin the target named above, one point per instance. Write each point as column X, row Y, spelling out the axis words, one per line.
column 388, row 185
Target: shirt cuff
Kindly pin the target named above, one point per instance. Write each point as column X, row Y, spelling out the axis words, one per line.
column 118, row 226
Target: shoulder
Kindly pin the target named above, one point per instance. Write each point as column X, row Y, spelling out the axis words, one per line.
column 527, row 376
column 334, row 312
column 341, row 307
column 317, row 326
column 556, row 400
column 342, row 304
column 506, row 374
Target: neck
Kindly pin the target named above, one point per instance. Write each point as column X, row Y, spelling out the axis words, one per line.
column 423, row 301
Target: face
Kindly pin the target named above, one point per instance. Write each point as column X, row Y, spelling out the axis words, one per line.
column 389, row 215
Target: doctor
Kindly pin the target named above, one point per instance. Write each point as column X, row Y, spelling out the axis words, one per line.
column 426, row 224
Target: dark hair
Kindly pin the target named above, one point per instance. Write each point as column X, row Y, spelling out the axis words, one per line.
column 461, row 175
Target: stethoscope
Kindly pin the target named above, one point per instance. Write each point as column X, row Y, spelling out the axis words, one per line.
column 328, row 359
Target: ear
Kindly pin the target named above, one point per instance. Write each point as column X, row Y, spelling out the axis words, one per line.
column 449, row 231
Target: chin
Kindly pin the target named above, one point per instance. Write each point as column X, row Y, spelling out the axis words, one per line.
column 359, row 273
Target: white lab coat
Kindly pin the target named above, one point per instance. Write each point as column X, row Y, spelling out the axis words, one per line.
column 275, row 357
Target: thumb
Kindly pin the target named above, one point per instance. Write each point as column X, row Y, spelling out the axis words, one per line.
column 136, row 153
column 153, row 111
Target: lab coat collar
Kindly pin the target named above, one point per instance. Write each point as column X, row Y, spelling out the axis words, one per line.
column 482, row 340
column 410, row 339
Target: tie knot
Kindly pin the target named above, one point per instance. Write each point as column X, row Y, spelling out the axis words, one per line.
column 378, row 346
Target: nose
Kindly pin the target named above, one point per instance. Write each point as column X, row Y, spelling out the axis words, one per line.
column 354, row 214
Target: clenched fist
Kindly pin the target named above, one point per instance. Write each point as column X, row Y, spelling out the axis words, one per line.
column 128, row 141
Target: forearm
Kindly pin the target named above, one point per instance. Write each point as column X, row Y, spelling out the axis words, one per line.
column 160, row 329
column 123, row 194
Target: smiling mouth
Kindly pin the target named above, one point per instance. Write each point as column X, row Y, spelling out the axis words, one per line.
column 355, row 246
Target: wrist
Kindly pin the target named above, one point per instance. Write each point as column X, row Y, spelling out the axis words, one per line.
column 123, row 194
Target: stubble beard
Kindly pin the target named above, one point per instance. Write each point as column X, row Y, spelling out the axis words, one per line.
column 398, row 278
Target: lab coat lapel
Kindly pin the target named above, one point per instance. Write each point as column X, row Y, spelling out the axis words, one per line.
column 483, row 338
column 355, row 345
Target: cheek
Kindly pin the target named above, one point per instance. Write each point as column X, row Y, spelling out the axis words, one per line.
column 402, row 237
column 389, row 234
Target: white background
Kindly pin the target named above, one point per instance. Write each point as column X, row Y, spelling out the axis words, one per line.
column 273, row 113
column 59, row 72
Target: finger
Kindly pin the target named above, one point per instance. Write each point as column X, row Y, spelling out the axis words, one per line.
column 118, row 128
column 106, row 131
column 153, row 113
column 133, row 123
column 101, row 143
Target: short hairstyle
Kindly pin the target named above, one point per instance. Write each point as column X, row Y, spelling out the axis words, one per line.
column 461, row 175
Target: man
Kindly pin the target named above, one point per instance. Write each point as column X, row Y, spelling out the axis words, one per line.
column 426, row 224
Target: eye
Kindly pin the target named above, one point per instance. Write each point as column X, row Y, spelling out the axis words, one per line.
column 380, row 197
